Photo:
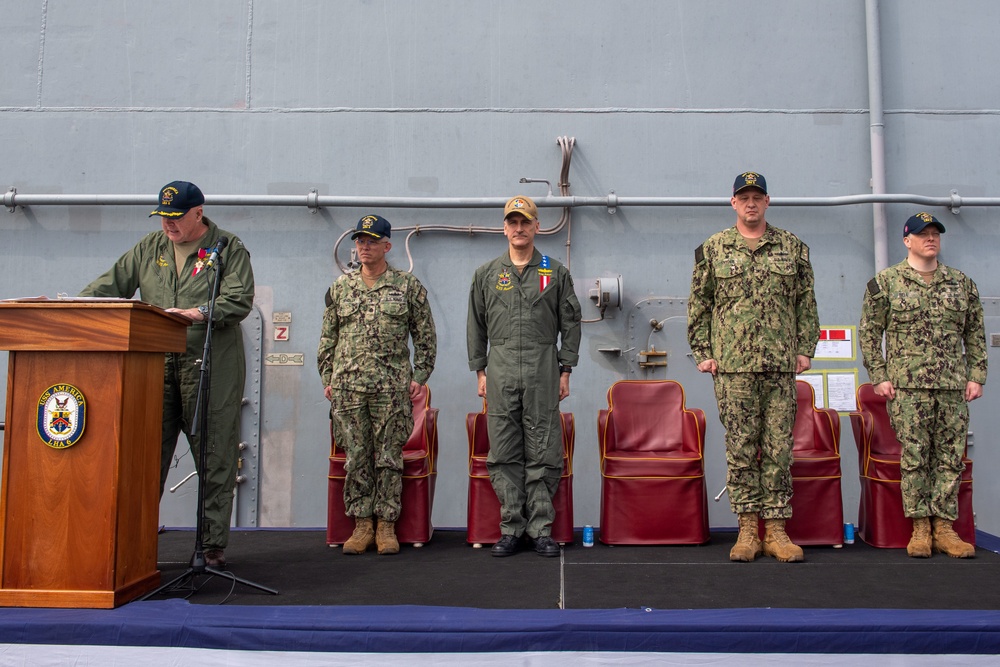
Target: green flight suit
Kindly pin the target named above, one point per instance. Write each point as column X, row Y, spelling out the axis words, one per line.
column 754, row 312
column 521, row 335
column 935, row 343
column 150, row 268
column 364, row 356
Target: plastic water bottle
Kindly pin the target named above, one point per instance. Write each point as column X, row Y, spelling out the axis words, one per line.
column 588, row 536
column 848, row 533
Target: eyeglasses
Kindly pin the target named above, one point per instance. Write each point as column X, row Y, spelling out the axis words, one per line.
column 367, row 240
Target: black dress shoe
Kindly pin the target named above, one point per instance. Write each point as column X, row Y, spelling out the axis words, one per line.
column 507, row 546
column 546, row 546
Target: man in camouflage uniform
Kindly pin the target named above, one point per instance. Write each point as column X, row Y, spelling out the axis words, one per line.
column 168, row 270
column 928, row 312
column 364, row 360
column 753, row 324
column 524, row 324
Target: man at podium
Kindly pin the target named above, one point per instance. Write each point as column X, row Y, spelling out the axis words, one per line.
column 171, row 268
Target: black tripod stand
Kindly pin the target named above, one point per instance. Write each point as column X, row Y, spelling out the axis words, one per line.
column 199, row 424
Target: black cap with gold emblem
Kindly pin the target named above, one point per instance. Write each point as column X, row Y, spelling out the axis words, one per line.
column 372, row 225
column 177, row 198
column 749, row 179
column 916, row 223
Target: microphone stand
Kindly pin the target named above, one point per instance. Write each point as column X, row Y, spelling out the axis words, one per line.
column 199, row 425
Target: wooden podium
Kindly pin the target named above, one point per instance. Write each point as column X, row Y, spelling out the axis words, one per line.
column 78, row 522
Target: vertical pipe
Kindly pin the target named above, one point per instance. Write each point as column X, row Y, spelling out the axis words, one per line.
column 876, row 131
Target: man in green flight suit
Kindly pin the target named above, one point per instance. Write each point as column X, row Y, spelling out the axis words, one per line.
column 170, row 269
column 364, row 360
column 524, row 327
column 934, row 364
column 753, row 324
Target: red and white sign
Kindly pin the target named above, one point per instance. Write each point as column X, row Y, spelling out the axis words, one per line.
column 835, row 343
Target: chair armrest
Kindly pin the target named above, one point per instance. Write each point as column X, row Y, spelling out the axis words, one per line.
column 470, row 433
column 605, row 432
column 858, row 429
column 826, row 430
column 694, row 429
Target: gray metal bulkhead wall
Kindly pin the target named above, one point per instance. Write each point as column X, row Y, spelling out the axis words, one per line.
column 448, row 98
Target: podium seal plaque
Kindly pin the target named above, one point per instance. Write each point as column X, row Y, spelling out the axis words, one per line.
column 62, row 412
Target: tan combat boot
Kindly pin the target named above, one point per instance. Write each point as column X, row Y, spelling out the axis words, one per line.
column 947, row 541
column 747, row 545
column 363, row 537
column 385, row 538
column 777, row 543
column 920, row 542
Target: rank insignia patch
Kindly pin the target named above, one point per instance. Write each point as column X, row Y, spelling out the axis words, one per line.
column 62, row 413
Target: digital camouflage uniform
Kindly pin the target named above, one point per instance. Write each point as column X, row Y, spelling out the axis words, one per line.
column 364, row 356
column 926, row 327
column 151, row 269
column 521, row 335
column 753, row 312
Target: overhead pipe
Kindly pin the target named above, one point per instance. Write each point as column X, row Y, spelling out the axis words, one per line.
column 953, row 201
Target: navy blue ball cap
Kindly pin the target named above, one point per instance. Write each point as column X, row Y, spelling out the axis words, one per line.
column 177, row 198
column 373, row 225
column 749, row 179
column 916, row 223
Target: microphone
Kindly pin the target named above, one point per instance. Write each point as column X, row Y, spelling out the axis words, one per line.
column 216, row 249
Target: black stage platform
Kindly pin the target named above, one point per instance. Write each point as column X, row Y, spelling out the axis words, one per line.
column 449, row 572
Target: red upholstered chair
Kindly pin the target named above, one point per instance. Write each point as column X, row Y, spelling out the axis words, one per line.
column 652, row 466
column 817, row 503
column 420, row 455
column 880, row 512
column 484, row 508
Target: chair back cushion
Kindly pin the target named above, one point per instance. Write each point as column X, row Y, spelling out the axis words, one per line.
column 817, row 430
column 882, row 442
column 648, row 416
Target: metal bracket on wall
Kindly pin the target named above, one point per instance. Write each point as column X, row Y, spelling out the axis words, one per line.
column 8, row 199
column 956, row 202
column 312, row 201
column 248, row 479
column 641, row 327
column 652, row 358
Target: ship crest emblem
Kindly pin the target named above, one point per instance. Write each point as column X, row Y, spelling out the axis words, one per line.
column 62, row 414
